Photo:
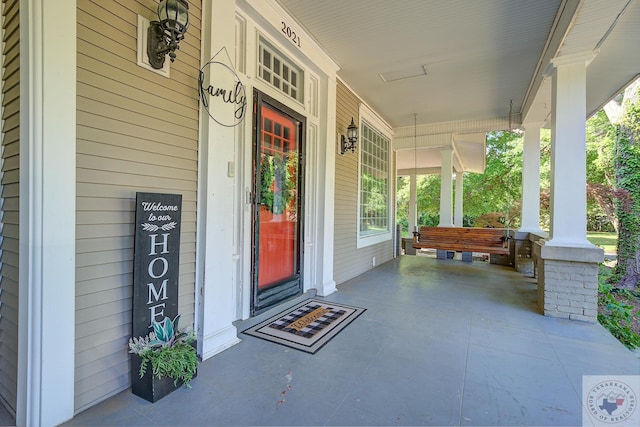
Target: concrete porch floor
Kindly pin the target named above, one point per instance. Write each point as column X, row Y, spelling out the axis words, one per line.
column 442, row 342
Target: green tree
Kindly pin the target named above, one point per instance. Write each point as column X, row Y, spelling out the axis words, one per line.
column 601, row 147
column 402, row 203
column 499, row 188
column 545, row 178
column 428, row 195
column 628, row 196
column 374, row 201
column 428, row 198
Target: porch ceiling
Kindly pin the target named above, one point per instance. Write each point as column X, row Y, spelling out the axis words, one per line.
column 478, row 55
column 468, row 156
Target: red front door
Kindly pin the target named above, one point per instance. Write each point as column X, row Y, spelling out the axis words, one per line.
column 277, row 185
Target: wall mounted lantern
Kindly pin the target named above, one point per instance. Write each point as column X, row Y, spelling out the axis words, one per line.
column 164, row 35
column 349, row 142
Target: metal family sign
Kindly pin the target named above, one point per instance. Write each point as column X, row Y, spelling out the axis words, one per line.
column 223, row 96
column 156, row 259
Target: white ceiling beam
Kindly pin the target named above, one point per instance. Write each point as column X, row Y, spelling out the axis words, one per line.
column 459, row 127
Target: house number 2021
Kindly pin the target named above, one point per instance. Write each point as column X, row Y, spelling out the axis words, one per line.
column 291, row 35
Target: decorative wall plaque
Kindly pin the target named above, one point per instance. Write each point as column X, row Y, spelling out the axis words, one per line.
column 221, row 92
column 156, row 259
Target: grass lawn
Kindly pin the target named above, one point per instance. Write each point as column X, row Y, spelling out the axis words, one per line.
column 606, row 241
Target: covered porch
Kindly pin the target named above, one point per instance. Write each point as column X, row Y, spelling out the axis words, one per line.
column 442, row 343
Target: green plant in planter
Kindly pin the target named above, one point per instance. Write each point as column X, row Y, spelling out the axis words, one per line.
column 168, row 350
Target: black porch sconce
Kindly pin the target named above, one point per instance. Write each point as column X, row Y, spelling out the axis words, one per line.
column 164, row 35
column 349, row 142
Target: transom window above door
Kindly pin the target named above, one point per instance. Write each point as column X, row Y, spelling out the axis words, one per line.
column 280, row 72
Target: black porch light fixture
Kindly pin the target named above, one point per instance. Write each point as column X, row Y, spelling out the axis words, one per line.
column 164, row 34
column 349, row 142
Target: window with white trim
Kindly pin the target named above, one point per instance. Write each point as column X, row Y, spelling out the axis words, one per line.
column 281, row 73
column 374, row 211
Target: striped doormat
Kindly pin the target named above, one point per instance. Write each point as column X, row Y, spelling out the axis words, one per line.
column 307, row 326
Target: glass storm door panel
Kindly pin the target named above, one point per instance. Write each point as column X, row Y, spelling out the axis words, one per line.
column 277, row 215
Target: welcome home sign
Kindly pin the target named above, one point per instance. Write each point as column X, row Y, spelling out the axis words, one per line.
column 156, row 258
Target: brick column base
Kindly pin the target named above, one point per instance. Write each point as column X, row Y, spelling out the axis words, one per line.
column 568, row 282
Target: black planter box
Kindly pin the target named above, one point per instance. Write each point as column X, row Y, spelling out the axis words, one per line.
column 150, row 387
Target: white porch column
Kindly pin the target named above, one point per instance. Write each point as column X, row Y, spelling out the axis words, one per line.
column 413, row 202
column 568, row 225
column 459, row 196
column 46, row 319
column 568, row 263
column 326, row 187
column 216, row 294
column 530, row 214
column 446, row 188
